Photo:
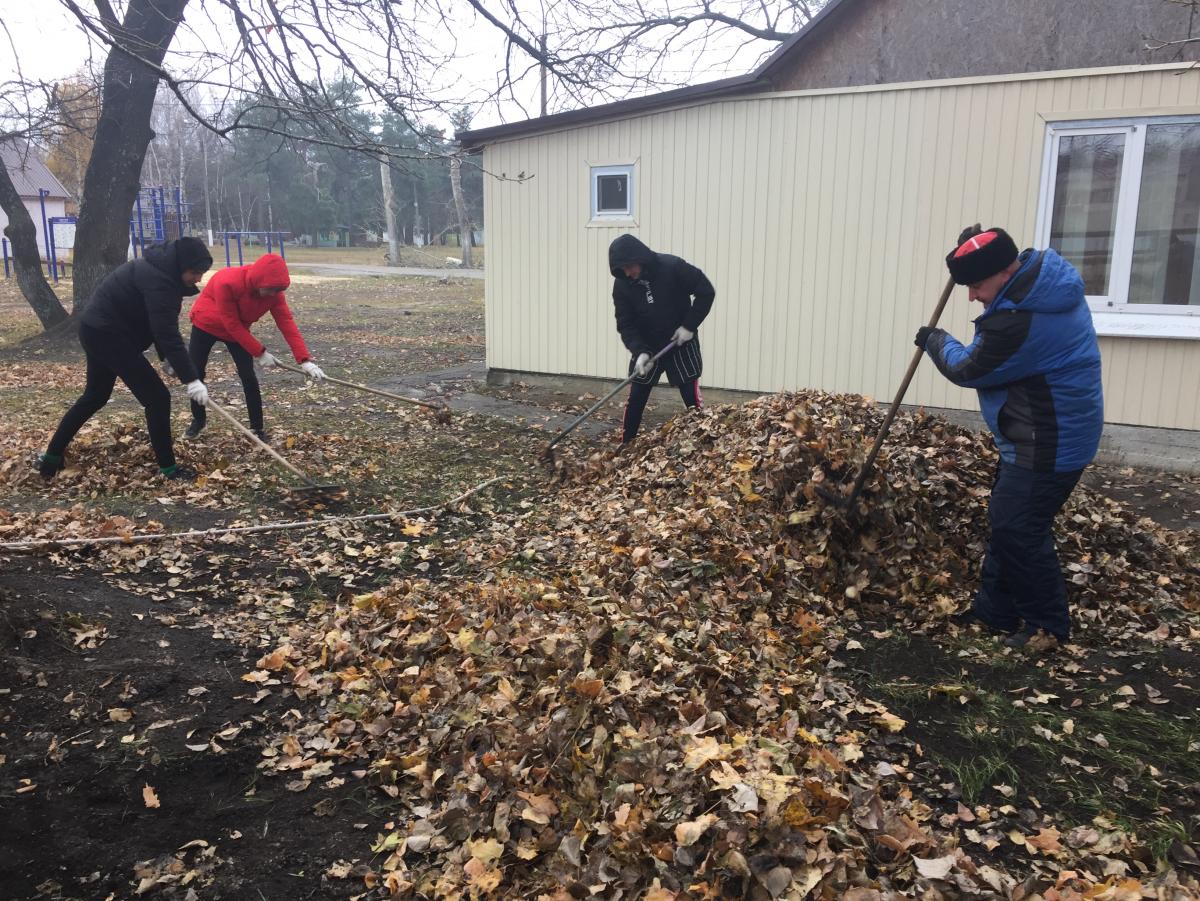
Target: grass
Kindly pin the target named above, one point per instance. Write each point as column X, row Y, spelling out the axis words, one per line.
column 433, row 257
column 1076, row 754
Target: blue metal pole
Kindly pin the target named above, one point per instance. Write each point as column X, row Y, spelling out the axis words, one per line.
column 281, row 253
column 228, row 262
column 141, row 231
column 241, row 262
column 268, row 237
column 4, row 247
column 53, row 257
column 42, row 194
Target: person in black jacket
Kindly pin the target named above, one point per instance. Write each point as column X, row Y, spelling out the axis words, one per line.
column 136, row 305
column 659, row 300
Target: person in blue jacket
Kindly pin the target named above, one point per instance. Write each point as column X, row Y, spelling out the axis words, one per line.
column 1035, row 362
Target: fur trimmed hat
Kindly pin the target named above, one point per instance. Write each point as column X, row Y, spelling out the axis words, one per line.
column 981, row 256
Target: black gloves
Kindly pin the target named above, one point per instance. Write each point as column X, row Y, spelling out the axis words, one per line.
column 925, row 331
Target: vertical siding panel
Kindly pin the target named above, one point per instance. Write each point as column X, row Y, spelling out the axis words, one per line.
column 776, row 197
column 764, row 217
column 848, row 179
column 785, row 246
column 825, row 148
column 866, row 322
column 805, row 200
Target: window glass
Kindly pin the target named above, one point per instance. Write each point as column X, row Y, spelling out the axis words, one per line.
column 612, row 192
column 1083, row 219
column 1166, row 267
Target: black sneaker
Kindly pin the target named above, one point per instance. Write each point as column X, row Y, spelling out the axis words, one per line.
column 194, row 430
column 1038, row 641
column 261, row 435
column 180, row 474
column 48, row 467
column 968, row 619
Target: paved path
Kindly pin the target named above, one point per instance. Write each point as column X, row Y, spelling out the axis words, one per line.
column 384, row 271
column 427, row 386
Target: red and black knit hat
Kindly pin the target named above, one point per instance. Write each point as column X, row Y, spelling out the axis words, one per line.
column 981, row 256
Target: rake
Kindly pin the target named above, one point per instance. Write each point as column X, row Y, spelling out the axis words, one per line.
column 441, row 412
column 310, row 490
column 547, row 455
column 847, row 501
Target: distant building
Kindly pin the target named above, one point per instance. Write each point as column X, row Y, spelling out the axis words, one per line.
column 28, row 172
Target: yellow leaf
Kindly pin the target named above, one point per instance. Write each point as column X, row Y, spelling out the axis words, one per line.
column 413, row 529
column 487, row 850
column 703, row 751
column 119, row 715
column 149, row 798
column 890, row 721
column 688, row 833
column 749, row 495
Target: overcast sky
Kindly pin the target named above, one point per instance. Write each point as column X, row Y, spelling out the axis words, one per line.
column 51, row 44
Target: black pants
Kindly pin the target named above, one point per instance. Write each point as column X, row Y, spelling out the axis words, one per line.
column 1022, row 580
column 200, row 345
column 110, row 357
column 639, row 393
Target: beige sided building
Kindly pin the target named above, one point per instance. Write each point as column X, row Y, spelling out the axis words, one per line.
column 822, row 211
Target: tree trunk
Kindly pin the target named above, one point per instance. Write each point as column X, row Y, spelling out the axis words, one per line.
column 122, row 135
column 22, row 234
column 389, row 211
column 464, row 223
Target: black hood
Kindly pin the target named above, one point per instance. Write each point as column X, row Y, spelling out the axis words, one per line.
column 165, row 258
column 628, row 249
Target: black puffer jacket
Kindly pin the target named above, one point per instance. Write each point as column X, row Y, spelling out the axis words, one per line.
column 670, row 292
column 141, row 300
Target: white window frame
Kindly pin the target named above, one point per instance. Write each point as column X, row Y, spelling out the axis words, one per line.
column 1112, row 314
column 613, row 217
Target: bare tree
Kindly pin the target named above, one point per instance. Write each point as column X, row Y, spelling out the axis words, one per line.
column 277, row 66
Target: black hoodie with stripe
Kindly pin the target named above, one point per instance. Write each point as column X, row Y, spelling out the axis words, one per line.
column 668, row 293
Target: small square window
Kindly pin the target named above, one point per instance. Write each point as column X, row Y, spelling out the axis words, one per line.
column 612, row 192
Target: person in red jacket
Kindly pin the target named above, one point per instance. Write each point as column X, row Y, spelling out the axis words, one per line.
column 233, row 300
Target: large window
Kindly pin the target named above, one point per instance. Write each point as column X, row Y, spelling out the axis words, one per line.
column 612, row 192
column 1121, row 201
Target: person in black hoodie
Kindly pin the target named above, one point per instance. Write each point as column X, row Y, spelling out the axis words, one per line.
column 136, row 305
column 659, row 299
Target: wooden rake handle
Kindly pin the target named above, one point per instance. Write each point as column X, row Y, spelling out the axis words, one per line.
column 901, row 391
column 329, row 378
column 213, row 405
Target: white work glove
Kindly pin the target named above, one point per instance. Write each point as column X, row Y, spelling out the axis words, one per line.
column 168, row 369
column 312, row 370
column 197, row 393
column 682, row 336
column 265, row 361
column 642, row 366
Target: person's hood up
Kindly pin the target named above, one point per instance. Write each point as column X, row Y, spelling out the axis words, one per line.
column 628, row 249
column 1045, row 283
column 166, row 259
column 269, row 271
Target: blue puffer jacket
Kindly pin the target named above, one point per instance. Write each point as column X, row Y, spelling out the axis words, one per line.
column 1036, row 364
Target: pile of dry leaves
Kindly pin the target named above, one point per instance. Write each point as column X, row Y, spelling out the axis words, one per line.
column 627, row 692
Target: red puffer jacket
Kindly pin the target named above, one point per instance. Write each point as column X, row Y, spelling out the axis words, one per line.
column 229, row 305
